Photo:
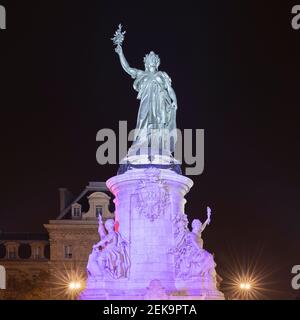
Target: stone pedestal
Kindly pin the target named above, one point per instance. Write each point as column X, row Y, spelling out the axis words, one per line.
column 148, row 202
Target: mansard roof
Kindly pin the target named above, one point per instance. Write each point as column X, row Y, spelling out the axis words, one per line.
column 91, row 187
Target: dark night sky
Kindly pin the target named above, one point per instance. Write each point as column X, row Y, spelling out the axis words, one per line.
column 235, row 70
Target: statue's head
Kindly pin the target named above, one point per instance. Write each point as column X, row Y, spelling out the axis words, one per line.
column 196, row 225
column 109, row 224
column 151, row 60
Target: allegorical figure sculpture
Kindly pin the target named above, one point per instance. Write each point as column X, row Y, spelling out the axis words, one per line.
column 198, row 227
column 190, row 258
column 156, row 121
column 109, row 258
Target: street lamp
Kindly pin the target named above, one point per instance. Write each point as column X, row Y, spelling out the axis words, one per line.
column 245, row 291
column 74, row 285
column 245, row 286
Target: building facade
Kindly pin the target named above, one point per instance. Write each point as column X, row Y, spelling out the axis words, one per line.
column 25, row 258
column 56, row 259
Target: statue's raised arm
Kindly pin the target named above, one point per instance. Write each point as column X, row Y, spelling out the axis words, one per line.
column 125, row 65
column 207, row 222
column 118, row 40
column 101, row 229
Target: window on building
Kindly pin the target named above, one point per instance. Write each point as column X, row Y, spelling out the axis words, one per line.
column 12, row 253
column 68, row 252
column 24, row 251
column 76, row 210
column 37, row 253
column 2, row 251
column 99, row 211
column 47, row 251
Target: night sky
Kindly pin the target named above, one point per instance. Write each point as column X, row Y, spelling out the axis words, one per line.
column 235, row 69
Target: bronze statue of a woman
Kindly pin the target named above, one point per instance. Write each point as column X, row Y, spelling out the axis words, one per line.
column 157, row 112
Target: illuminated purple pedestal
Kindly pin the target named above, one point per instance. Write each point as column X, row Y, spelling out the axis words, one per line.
column 150, row 212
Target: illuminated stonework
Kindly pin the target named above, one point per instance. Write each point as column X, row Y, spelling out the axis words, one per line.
column 152, row 265
column 152, row 195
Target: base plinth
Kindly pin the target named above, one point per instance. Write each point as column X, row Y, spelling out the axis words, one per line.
column 150, row 214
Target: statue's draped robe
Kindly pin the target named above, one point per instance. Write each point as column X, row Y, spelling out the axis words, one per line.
column 117, row 261
column 156, row 110
column 113, row 261
column 192, row 260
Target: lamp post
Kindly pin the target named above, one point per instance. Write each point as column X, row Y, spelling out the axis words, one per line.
column 245, row 286
column 74, row 287
column 245, row 289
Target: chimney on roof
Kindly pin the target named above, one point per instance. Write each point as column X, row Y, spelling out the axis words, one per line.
column 65, row 198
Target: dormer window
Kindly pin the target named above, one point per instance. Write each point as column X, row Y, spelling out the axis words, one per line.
column 98, row 206
column 99, row 211
column 76, row 210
